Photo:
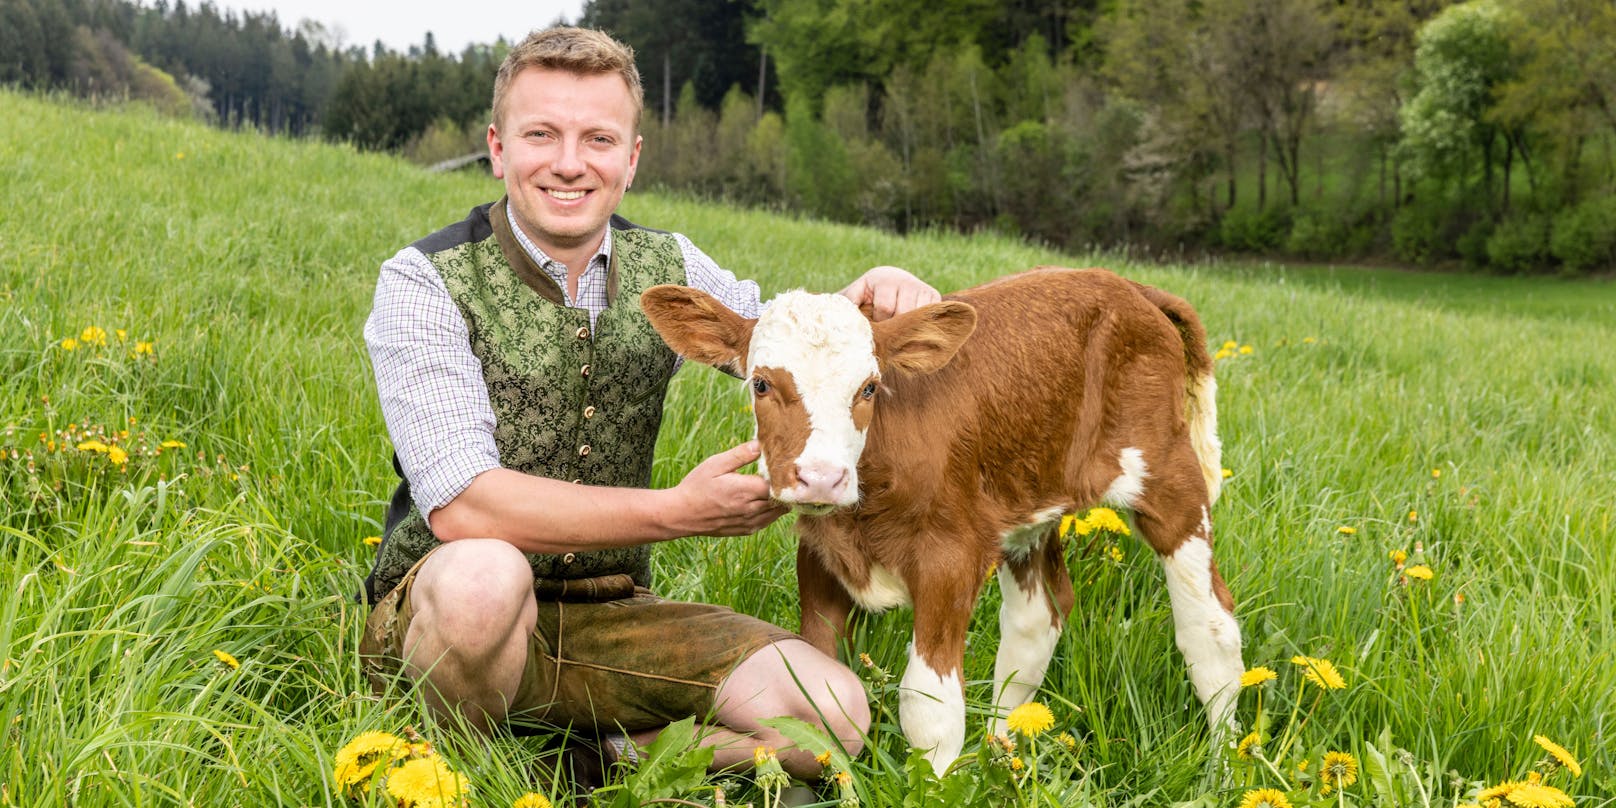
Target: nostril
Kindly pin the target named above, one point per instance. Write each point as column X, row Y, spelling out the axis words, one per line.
column 821, row 476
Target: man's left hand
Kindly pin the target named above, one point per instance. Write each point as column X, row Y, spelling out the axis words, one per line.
column 890, row 291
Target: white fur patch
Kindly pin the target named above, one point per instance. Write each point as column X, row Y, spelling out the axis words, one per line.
column 1127, row 487
column 828, row 348
column 1207, row 635
column 1203, row 421
column 1027, row 637
column 884, row 591
column 1020, row 540
column 931, row 710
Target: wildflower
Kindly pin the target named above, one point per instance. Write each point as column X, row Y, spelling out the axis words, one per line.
column 179, row 155
column 1436, row 473
column 1419, row 571
column 1413, row 516
column 865, row 659
column 844, row 779
column 1016, row 764
column 70, row 344
column 1115, row 553
column 1245, row 350
column 1222, row 354
column 1254, row 740
column 1107, row 519
column 1227, row 473
column 1537, row 795
column 372, row 541
column 1257, row 676
column 226, row 658
column 123, row 335
column 531, row 800
column 143, row 348
column 93, row 446
column 1030, row 719
column 1230, row 345
column 846, row 796
column 769, row 776
column 172, row 444
column 1265, row 798
column 357, row 761
column 1398, row 557
column 1065, row 739
column 823, row 759
column 1560, row 755
column 117, row 455
column 1499, row 791
column 426, row 781
column 1321, row 672
column 1338, row 769
column 93, row 335
column 1346, row 530
column 1309, row 340
column 761, row 755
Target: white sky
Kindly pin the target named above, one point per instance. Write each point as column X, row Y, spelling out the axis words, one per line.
column 402, row 23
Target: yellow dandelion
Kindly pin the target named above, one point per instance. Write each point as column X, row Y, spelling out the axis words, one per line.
column 122, row 334
column 1338, row 769
column 1257, row 676
column 1230, row 345
column 1347, row 530
column 1413, row 516
column 117, row 455
column 70, row 344
column 1222, row 354
column 531, row 800
column 1065, row 739
column 1243, row 751
column 1302, row 765
column 1016, row 764
column 1398, row 557
column 1537, row 795
column 1107, row 519
column 865, row 660
column 844, row 779
column 172, row 444
column 1499, row 791
column 226, row 658
column 1419, row 571
column 761, row 755
column 93, row 446
column 1030, row 719
column 1561, row 756
column 357, row 761
column 1115, row 553
column 1309, row 340
column 426, row 781
column 143, row 348
column 1265, row 798
column 93, row 335
column 1067, row 523
column 179, row 155
column 1227, row 473
column 1245, row 350
column 1436, row 473
column 1321, row 672
column 372, row 541
column 823, row 759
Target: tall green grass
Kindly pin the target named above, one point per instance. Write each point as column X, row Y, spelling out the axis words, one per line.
column 1483, row 407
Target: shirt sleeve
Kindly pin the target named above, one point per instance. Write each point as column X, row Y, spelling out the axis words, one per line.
column 702, row 272
column 431, row 386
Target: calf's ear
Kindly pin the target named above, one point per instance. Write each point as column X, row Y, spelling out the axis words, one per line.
column 698, row 327
column 925, row 339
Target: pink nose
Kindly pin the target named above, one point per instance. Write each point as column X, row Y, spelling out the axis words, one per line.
column 820, row 481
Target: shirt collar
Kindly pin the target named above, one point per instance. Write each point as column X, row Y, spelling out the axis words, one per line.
column 555, row 269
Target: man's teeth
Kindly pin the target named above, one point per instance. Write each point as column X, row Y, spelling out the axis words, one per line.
column 566, row 194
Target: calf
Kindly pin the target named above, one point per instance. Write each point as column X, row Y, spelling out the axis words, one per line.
column 923, row 450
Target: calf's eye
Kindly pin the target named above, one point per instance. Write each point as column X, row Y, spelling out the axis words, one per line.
column 868, row 391
column 760, row 387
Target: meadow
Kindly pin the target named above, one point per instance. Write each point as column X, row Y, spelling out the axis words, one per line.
column 1419, row 491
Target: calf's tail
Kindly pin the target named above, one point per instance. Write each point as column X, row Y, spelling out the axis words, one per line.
column 1201, row 388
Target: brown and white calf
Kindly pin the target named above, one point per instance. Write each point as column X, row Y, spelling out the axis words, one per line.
column 922, row 450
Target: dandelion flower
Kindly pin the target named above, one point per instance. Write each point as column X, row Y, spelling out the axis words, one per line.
column 1065, row 739
column 1419, row 571
column 844, row 779
column 1257, row 676
column 356, row 762
column 864, row 659
column 1265, row 798
column 1398, row 557
column 371, row 541
column 1561, row 756
column 1107, row 519
column 1338, row 769
column 761, row 755
column 70, row 344
column 1436, row 473
column 1346, row 530
column 1537, row 795
column 1115, row 553
column 426, row 781
column 1499, row 791
column 823, row 759
column 226, row 658
column 531, row 800
column 1245, row 350
column 1230, row 345
column 117, row 455
column 1243, row 751
column 143, row 348
column 93, row 446
column 173, row 444
column 1321, row 672
column 1413, row 516
column 1227, row 473
column 93, row 335
column 1309, row 340
column 1030, row 719
column 1016, row 764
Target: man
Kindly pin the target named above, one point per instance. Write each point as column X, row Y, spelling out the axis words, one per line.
column 523, row 387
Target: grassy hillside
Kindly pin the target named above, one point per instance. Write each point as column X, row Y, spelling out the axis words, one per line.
column 193, row 299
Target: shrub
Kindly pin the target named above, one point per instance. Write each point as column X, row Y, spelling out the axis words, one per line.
column 1584, row 237
column 1417, row 233
column 1247, row 230
column 1519, row 243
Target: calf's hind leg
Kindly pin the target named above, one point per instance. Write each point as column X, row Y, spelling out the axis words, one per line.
column 1173, row 513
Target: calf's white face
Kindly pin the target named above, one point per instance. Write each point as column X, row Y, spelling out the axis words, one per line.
column 813, row 366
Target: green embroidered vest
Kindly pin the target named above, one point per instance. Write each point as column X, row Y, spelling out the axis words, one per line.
column 570, row 402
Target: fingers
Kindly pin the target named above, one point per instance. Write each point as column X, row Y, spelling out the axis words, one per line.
column 732, row 460
column 890, row 291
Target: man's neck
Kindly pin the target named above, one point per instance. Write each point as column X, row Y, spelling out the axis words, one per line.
column 575, row 259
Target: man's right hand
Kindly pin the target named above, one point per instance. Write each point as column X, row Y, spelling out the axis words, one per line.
column 716, row 499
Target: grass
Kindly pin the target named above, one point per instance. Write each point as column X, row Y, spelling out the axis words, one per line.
column 248, row 264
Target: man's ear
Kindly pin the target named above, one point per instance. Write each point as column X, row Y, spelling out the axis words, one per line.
column 925, row 339
column 698, row 327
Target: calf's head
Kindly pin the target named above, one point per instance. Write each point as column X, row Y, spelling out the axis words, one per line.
column 813, row 366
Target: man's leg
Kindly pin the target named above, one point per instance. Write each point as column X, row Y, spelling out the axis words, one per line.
column 472, row 611
column 786, row 678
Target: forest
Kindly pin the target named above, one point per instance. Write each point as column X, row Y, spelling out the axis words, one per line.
column 1479, row 135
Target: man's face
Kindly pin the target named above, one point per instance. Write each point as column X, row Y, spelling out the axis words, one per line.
column 567, row 151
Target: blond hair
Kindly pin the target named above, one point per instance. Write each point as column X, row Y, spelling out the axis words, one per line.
column 583, row 51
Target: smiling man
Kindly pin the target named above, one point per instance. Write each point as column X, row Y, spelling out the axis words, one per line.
column 523, row 387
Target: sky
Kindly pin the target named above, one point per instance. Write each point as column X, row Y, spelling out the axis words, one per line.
column 399, row 25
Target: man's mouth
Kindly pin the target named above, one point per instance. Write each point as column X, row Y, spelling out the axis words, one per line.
column 565, row 195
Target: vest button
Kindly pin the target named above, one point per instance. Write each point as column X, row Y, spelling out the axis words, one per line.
column 583, row 451
column 584, row 371
column 583, row 332
column 568, row 558
column 589, row 411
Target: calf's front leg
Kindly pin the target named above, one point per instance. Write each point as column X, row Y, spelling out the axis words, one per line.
column 931, row 698
column 824, row 602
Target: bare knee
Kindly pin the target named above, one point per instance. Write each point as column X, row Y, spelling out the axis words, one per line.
column 794, row 679
column 473, row 594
